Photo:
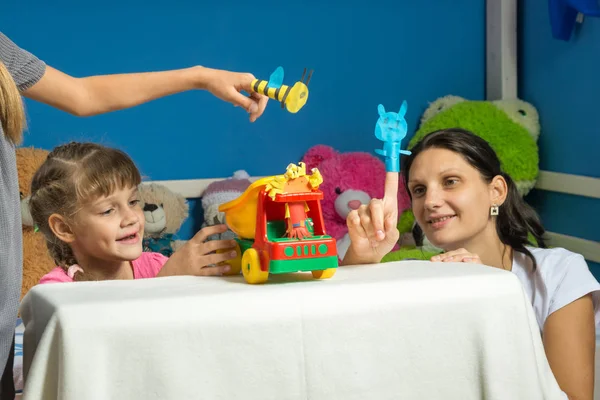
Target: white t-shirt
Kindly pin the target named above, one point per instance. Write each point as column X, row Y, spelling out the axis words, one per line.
column 560, row 278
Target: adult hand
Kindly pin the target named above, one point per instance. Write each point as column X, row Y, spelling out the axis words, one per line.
column 459, row 255
column 227, row 85
column 373, row 228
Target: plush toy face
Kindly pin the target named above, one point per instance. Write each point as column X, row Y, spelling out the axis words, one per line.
column 391, row 126
column 212, row 216
column 221, row 192
column 156, row 218
column 164, row 211
column 510, row 126
column 29, row 159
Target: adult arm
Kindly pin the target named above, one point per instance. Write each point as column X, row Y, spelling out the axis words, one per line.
column 570, row 345
column 100, row 94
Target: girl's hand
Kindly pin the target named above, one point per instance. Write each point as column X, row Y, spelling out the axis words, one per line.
column 199, row 257
column 460, row 255
column 373, row 228
column 227, row 85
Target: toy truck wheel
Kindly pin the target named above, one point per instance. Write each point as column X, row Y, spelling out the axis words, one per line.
column 324, row 274
column 235, row 264
column 251, row 268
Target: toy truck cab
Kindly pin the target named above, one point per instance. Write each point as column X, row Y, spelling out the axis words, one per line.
column 280, row 230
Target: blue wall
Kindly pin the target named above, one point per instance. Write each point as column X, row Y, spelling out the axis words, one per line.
column 562, row 80
column 362, row 55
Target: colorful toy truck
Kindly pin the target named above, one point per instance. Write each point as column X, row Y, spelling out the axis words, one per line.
column 280, row 228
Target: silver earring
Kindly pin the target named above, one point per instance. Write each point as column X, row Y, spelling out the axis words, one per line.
column 494, row 210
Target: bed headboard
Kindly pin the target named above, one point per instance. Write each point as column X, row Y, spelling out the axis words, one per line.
column 548, row 181
column 502, row 53
column 579, row 186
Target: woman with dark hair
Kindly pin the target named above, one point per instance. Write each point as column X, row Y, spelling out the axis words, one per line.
column 466, row 205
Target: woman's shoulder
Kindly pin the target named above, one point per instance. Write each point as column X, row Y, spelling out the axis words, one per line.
column 555, row 256
column 563, row 269
column 561, row 277
column 552, row 264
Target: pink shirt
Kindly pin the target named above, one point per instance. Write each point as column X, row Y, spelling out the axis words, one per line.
column 148, row 265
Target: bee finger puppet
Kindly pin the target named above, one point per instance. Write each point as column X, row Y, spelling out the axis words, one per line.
column 292, row 97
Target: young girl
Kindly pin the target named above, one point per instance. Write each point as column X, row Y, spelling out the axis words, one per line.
column 84, row 200
column 466, row 205
column 23, row 73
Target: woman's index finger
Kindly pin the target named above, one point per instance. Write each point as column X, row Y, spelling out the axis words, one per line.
column 391, row 185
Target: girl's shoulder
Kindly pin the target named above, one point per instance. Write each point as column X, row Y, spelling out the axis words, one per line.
column 57, row 275
column 148, row 265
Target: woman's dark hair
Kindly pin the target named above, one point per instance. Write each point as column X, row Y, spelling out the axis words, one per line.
column 516, row 219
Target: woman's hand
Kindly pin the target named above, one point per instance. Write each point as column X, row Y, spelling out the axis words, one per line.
column 460, row 255
column 199, row 257
column 373, row 228
column 227, row 85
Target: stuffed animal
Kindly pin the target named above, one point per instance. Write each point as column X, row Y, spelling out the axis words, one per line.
column 220, row 192
column 164, row 212
column 349, row 180
column 36, row 258
column 511, row 127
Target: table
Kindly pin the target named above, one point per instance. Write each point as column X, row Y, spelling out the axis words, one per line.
column 401, row 330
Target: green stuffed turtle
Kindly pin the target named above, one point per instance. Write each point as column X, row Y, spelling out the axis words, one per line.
column 511, row 127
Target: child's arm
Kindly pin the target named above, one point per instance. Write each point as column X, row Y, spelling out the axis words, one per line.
column 104, row 93
column 373, row 229
column 198, row 256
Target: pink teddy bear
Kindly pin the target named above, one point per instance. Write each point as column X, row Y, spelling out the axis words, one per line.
column 349, row 180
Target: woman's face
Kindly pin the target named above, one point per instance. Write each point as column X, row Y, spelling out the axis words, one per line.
column 450, row 200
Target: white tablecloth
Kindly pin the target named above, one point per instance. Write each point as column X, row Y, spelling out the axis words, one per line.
column 405, row 330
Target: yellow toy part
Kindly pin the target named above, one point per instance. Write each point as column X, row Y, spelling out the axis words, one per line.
column 295, row 180
column 324, row 273
column 251, row 268
column 235, row 265
column 293, row 98
column 240, row 213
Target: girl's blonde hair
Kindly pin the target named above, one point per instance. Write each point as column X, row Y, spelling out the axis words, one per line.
column 72, row 175
column 12, row 112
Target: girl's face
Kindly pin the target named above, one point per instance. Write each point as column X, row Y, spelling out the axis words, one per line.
column 110, row 228
column 450, row 200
